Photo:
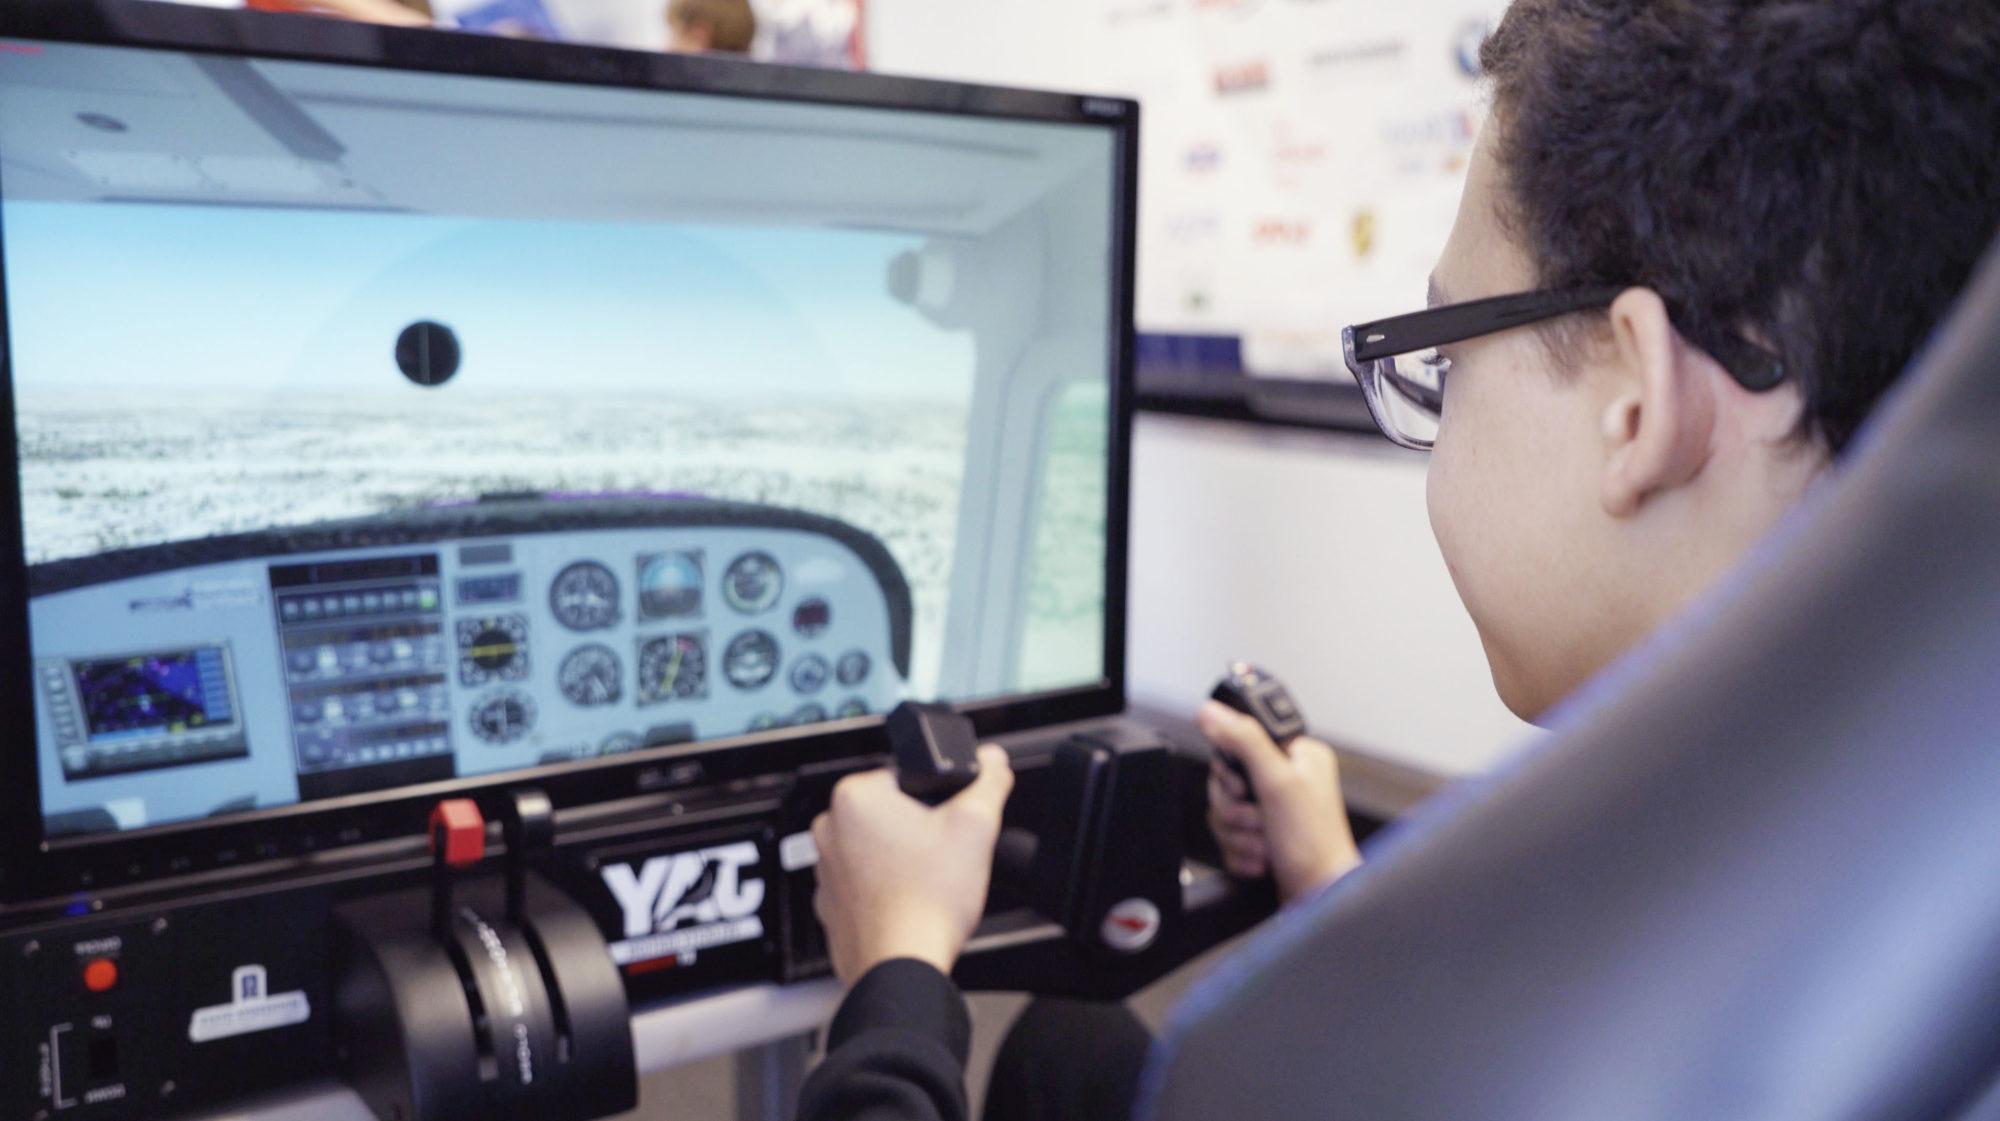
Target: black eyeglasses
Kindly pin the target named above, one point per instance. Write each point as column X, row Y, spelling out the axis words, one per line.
column 1405, row 388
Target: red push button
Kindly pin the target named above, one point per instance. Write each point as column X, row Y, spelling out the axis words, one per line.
column 100, row 975
column 458, row 832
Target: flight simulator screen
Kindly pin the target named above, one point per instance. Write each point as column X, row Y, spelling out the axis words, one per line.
column 379, row 427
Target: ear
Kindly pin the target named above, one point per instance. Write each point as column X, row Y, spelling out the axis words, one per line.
column 1660, row 425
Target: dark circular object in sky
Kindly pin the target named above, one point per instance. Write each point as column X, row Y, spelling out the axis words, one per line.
column 428, row 353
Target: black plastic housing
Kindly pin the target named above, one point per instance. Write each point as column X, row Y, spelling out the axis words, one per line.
column 425, row 1030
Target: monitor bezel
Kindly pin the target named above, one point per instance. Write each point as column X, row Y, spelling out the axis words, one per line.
column 33, row 867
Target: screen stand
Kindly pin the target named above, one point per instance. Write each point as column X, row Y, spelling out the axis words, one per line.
column 768, row 1078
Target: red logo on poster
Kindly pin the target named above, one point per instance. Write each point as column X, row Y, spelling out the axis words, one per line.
column 1243, row 77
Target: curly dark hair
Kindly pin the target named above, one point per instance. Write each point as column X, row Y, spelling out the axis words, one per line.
column 1817, row 175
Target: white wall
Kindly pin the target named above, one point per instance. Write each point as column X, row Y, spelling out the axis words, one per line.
column 1004, row 42
column 1309, row 554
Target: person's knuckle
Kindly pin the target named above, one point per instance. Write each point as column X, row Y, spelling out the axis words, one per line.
column 848, row 793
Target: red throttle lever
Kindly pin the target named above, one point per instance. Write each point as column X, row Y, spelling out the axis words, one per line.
column 458, row 840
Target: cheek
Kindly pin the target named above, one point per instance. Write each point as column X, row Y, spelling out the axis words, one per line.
column 1489, row 477
column 1455, row 491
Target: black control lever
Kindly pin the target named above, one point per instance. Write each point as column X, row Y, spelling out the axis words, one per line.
column 528, row 826
column 1103, row 862
column 1265, row 699
column 469, row 1012
column 937, row 755
column 936, row 752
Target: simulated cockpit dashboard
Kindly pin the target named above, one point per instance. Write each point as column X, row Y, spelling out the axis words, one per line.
column 494, row 636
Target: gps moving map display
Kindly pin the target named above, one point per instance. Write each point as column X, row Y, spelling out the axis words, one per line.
column 149, row 711
column 378, row 428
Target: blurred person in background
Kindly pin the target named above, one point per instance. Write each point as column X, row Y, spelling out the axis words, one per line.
column 710, row 26
column 371, row 11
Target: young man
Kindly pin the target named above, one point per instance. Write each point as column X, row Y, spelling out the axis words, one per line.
column 706, row 26
column 1698, row 242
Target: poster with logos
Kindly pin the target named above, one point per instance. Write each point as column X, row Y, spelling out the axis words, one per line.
column 1301, row 161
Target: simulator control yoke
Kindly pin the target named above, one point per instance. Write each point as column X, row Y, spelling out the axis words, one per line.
column 1103, row 861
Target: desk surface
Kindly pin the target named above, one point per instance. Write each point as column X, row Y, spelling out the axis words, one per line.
column 668, row 1035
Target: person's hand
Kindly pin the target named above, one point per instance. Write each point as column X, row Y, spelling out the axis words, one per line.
column 1297, row 830
column 899, row 879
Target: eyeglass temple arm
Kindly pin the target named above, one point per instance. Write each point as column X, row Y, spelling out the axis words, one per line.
column 1750, row 365
column 1402, row 334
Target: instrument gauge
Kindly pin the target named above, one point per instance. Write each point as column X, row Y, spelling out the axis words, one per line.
column 584, row 597
column 673, row 668
column 670, row 584
column 751, row 660
column 591, row 676
column 809, row 674
column 504, row 717
column 852, row 668
column 489, row 650
column 812, row 617
column 752, row 583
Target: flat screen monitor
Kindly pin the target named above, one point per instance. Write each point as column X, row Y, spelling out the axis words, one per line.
column 391, row 412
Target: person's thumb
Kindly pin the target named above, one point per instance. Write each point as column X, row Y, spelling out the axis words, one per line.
column 1240, row 737
column 988, row 793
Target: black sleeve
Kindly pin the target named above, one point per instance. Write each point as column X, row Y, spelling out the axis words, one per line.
column 896, row 1051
